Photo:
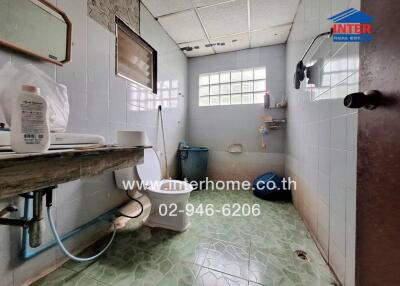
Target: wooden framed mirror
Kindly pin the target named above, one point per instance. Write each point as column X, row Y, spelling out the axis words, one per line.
column 36, row 28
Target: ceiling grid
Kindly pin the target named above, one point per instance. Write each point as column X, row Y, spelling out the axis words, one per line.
column 204, row 27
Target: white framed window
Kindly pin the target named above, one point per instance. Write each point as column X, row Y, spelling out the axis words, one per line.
column 245, row 86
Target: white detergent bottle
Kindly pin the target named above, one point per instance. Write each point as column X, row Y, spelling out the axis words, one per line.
column 30, row 132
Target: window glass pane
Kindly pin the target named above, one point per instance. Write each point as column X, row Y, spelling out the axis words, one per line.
column 247, row 98
column 260, row 85
column 214, row 100
column 236, row 87
column 247, row 74
column 260, row 73
column 204, row 101
column 135, row 58
column 214, row 78
column 225, row 100
column 259, row 97
column 204, row 80
column 225, row 88
column 204, row 90
column 214, row 89
column 236, row 76
column 225, row 77
column 247, row 86
column 236, row 99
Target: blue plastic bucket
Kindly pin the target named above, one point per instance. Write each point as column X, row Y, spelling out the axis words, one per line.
column 193, row 163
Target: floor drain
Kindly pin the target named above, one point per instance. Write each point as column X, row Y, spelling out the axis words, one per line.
column 302, row 255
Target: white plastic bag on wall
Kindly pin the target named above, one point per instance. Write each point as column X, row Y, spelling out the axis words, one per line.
column 11, row 80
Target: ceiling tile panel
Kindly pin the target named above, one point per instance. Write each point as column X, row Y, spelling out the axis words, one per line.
column 201, row 3
column 268, row 37
column 231, row 43
column 164, row 7
column 225, row 19
column 270, row 13
column 199, row 48
column 183, row 27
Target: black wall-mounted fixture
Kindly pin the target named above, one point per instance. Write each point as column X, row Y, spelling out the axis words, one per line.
column 368, row 100
column 300, row 67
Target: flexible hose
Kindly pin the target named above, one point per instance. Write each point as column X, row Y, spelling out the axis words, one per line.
column 135, row 200
column 66, row 252
column 163, row 136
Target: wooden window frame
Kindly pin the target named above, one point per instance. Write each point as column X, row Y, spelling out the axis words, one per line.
column 120, row 24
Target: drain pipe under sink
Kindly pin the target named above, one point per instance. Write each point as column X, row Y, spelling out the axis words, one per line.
column 114, row 215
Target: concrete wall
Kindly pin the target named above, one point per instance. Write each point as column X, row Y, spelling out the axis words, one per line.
column 321, row 137
column 100, row 103
column 217, row 127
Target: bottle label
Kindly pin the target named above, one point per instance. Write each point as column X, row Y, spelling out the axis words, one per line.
column 32, row 121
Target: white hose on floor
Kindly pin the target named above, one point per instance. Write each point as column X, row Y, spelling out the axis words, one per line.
column 66, row 252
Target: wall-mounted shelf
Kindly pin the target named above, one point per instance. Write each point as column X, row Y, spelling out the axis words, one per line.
column 274, row 107
column 275, row 124
column 22, row 173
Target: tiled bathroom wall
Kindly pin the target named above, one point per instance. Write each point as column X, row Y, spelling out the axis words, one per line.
column 100, row 103
column 217, row 127
column 321, row 137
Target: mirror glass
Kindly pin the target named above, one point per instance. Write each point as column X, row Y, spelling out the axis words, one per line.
column 36, row 28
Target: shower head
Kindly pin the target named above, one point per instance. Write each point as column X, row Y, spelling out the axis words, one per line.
column 299, row 74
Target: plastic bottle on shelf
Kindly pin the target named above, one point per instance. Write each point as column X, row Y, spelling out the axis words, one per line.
column 30, row 132
column 267, row 100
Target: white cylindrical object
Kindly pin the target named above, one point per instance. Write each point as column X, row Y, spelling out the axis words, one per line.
column 132, row 138
column 30, row 132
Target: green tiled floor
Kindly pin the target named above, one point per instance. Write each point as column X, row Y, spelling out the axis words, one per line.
column 215, row 251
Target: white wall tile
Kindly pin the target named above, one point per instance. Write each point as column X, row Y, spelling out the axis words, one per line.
column 337, row 260
column 339, row 133
column 324, row 134
column 73, row 74
column 323, row 226
column 325, row 7
column 78, row 111
column 350, row 237
column 324, row 160
column 351, row 170
column 322, row 110
column 337, row 225
column 323, row 186
column 351, row 137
